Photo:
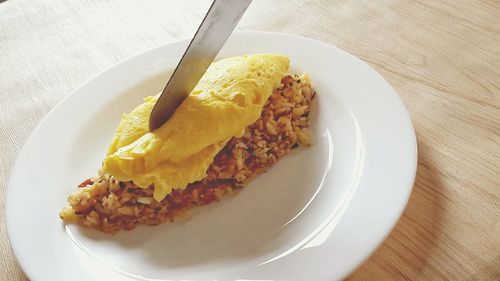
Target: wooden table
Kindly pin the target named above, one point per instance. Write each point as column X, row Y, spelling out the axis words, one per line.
column 442, row 57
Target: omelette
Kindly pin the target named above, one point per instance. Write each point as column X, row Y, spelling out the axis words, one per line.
column 244, row 114
column 228, row 98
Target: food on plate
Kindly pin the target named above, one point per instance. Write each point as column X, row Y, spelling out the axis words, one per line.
column 245, row 113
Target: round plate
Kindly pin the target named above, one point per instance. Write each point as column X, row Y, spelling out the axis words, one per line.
column 316, row 215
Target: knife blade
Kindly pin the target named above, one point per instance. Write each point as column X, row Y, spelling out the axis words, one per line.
column 218, row 24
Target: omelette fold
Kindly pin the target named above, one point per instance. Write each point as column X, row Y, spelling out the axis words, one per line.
column 228, row 98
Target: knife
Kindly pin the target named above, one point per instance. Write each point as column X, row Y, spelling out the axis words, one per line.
column 218, row 24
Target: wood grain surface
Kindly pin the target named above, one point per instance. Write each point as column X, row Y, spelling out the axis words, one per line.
column 442, row 57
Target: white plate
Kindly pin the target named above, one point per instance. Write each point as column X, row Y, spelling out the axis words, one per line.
column 316, row 215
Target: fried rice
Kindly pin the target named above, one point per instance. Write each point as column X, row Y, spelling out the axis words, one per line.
column 106, row 204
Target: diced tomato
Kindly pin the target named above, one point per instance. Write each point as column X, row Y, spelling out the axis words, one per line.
column 85, row 183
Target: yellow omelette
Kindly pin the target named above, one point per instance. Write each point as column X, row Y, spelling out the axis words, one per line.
column 228, row 98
